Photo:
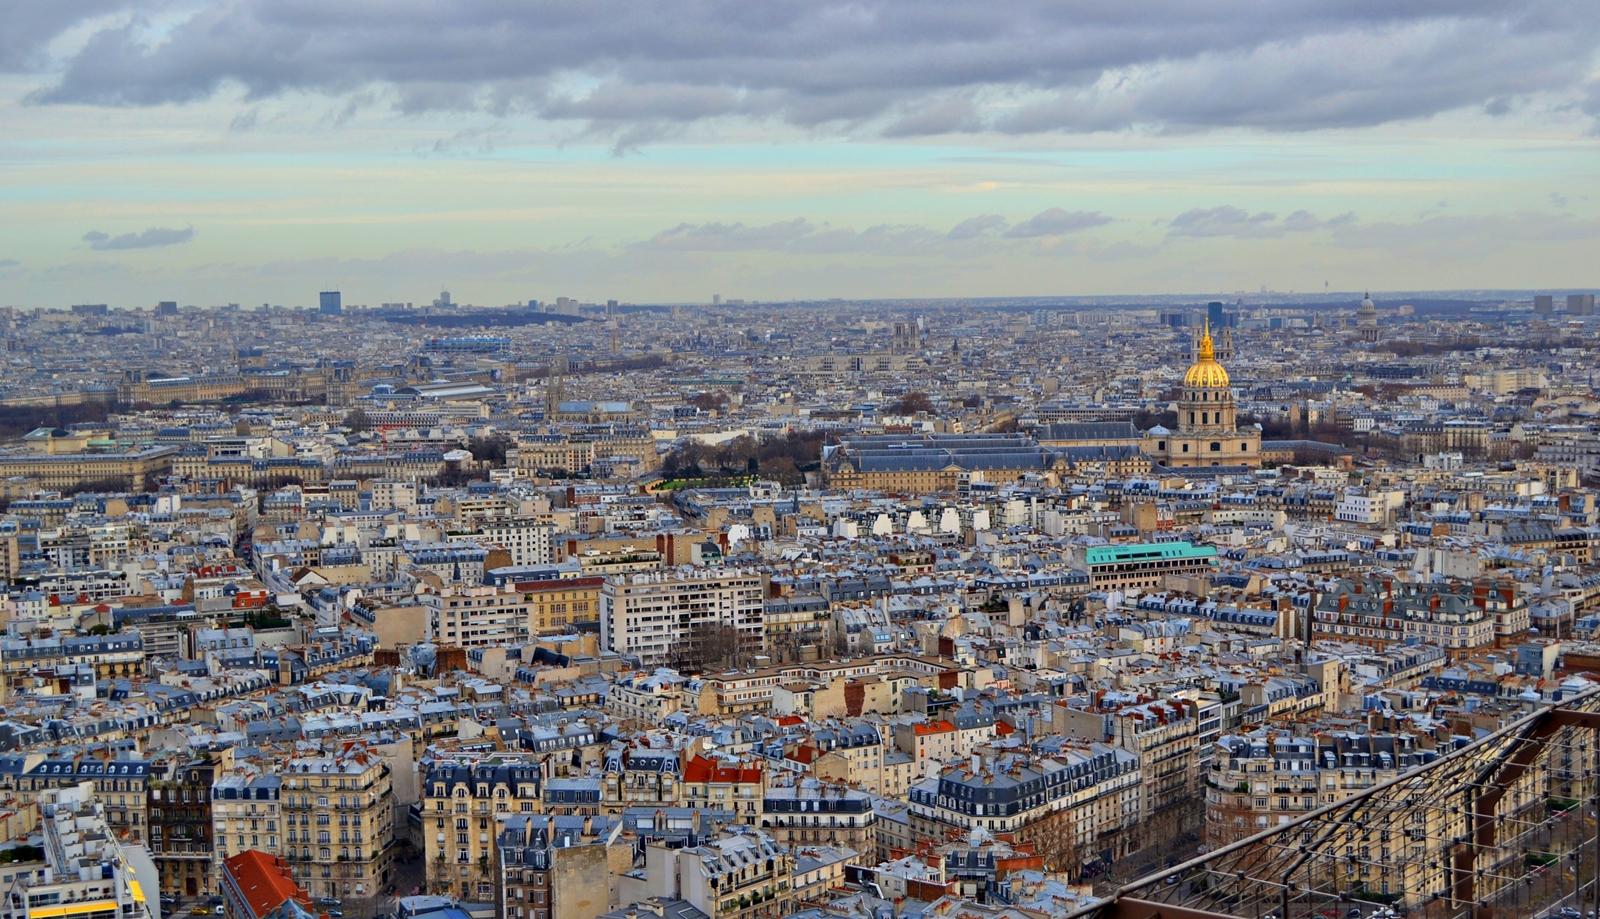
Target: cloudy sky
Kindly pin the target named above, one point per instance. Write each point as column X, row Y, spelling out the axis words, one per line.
column 260, row 150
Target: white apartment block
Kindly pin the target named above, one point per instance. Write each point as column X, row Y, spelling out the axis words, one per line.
column 647, row 614
column 529, row 540
column 477, row 617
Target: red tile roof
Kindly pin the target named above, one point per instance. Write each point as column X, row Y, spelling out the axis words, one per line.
column 937, row 727
column 701, row 769
column 265, row 881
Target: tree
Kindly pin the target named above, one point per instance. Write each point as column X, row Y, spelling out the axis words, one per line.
column 709, row 401
column 491, row 449
column 356, row 421
column 712, row 646
column 911, row 403
column 783, row 470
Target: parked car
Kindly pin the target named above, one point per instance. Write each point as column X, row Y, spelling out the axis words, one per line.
column 329, row 901
column 199, row 910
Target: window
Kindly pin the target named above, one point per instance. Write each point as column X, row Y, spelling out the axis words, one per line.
column 1216, row 447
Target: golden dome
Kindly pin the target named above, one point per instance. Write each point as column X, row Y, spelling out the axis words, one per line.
column 1206, row 372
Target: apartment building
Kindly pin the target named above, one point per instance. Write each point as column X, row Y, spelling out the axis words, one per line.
column 91, row 873
column 1262, row 779
column 127, row 470
column 1073, row 805
column 460, row 800
column 1165, row 735
column 930, row 744
column 119, row 783
column 668, row 615
column 552, row 870
column 647, row 698
column 849, row 752
column 180, row 829
column 477, row 617
column 1145, row 565
column 724, row 785
column 812, row 812
column 1456, row 616
column 528, row 540
column 640, row 777
column 245, row 813
column 555, row 606
column 119, row 655
column 741, row 873
column 338, row 814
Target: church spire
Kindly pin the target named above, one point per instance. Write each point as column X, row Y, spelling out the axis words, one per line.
column 1208, row 351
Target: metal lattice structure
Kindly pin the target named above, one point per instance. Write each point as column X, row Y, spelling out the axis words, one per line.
column 1505, row 826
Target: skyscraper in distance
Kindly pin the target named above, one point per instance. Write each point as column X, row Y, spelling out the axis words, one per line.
column 332, row 304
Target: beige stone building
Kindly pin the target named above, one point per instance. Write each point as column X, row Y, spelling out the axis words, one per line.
column 460, row 800
column 338, row 812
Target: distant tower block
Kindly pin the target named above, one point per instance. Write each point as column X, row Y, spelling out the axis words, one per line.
column 331, row 303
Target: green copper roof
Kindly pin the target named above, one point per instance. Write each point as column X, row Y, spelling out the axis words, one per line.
column 1144, row 552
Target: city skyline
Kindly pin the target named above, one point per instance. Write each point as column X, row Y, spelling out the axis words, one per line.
column 255, row 152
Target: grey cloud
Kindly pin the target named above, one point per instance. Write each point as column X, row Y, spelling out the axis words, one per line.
column 1464, row 234
column 31, row 25
column 723, row 237
column 1227, row 220
column 944, row 116
column 245, row 120
column 1055, row 221
column 796, row 237
column 9, row 263
column 974, row 227
column 973, row 236
column 152, row 238
column 893, row 67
